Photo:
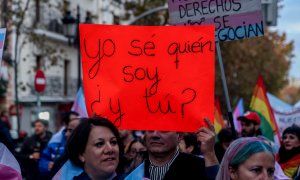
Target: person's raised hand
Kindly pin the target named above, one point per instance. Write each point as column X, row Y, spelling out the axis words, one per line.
column 207, row 136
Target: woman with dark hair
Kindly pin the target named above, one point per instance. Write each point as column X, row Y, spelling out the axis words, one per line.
column 225, row 137
column 289, row 153
column 95, row 146
column 247, row 158
column 188, row 144
column 136, row 146
column 134, row 155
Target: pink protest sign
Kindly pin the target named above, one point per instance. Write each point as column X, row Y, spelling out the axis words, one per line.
column 233, row 19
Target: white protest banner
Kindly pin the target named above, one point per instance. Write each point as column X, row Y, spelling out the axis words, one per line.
column 286, row 119
column 2, row 39
column 234, row 19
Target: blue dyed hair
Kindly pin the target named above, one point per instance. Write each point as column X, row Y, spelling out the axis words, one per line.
column 238, row 152
column 248, row 150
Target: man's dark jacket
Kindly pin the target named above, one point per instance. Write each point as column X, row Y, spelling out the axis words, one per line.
column 187, row 166
column 31, row 145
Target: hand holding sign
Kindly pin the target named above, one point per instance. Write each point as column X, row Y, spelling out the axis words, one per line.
column 207, row 137
column 149, row 78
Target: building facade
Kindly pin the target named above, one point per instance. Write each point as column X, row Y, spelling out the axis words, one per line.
column 43, row 45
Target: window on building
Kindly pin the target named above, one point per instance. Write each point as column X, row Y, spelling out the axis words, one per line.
column 38, row 62
column 116, row 19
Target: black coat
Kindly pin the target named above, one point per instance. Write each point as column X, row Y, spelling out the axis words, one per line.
column 84, row 176
column 5, row 137
column 185, row 166
column 32, row 144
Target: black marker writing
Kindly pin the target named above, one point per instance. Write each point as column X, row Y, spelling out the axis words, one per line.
column 118, row 120
column 189, row 100
column 95, row 103
column 117, row 111
column 138, row 48
column 190, row 22
column 199, row 46
column 106, row 49
column 159, row 106
column 141, row 74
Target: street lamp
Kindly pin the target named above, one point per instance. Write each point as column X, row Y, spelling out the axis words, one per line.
column 71, row 31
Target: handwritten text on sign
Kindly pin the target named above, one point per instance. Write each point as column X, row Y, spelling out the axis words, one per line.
column 149, row 78
column 234, row 19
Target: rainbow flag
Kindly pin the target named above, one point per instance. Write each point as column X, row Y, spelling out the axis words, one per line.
column 261, row 105
column 238, row 111
column 291, row 166
column 218, row 120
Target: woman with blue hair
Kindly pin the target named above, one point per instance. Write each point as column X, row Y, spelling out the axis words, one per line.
column 247, row 158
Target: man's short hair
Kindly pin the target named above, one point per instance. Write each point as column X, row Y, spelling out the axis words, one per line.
column 225, row 135
column 66, row 116
column 190, row 139
column 44, row 122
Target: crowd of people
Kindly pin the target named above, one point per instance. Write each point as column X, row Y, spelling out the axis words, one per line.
column 93, row 148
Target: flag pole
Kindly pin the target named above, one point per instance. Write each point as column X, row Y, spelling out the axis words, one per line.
column 224, row 83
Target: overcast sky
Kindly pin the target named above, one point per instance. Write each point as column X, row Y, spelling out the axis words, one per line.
column 289, row 22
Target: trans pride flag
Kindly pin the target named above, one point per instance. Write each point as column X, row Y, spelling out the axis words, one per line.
column 67, row 171
column 9, row 166
column 79, row 104
column 2, row 39
column 238, row 111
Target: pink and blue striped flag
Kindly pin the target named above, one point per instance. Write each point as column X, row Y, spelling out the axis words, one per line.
column 67, row 171
column 2, row 39
column 9, row 166
column 79, row 104
column 238, row 111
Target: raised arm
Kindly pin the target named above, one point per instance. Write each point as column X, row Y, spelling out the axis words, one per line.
column 207, row 138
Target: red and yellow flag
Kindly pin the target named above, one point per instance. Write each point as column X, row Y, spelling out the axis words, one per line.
column 261, row 105
column 219, row 120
